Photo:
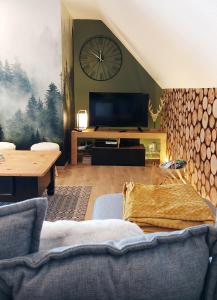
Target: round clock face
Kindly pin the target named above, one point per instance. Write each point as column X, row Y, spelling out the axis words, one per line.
column 100, row 58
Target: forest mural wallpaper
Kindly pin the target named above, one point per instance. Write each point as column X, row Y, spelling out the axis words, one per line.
column 31, row 103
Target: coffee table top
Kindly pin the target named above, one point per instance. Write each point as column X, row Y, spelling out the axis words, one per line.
column 27, row 163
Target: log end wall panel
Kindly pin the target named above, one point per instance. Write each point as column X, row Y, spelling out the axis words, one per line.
column 190, row 120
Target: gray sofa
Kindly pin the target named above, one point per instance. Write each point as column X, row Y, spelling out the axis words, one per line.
column 181, row 265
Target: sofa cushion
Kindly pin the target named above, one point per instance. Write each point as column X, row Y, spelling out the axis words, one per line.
column 20, row 227
column 108, row 206
column 3, row 296
column 5, row 291
column 169, row 266
column 210, row 291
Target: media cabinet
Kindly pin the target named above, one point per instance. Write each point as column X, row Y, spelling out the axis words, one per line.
column 115, row 134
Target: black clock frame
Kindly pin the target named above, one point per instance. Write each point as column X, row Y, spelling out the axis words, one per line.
column 117, row 46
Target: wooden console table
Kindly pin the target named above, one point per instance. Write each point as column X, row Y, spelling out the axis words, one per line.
column 112, row 134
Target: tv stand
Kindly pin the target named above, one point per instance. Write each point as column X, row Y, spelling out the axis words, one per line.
column 121, row 130
column 115, row 134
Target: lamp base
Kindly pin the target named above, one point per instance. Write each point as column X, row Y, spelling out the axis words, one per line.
column 77, row 129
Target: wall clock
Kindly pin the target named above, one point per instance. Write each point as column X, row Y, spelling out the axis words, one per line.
column 100, row 58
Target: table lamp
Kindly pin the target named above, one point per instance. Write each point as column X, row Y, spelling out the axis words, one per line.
column 82, row 119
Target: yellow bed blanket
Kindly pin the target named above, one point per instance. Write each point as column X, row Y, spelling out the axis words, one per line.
column 165, row 207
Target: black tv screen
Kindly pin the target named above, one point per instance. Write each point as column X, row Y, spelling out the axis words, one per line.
column 118, row 109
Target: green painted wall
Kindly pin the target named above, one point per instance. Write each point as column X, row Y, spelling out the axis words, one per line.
column 131, row 78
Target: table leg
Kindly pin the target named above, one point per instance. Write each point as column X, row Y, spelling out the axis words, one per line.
column 51, row 186
column 74, row 148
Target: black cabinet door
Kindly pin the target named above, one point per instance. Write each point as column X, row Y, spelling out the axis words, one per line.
column 118, row 157
column 6, row 186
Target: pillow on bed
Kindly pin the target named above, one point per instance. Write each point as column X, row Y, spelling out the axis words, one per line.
column 69, row 233
column 20, row 227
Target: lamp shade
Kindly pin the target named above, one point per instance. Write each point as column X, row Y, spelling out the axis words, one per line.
column 82, row 119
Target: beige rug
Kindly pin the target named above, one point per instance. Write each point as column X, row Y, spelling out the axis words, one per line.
column 68, row 203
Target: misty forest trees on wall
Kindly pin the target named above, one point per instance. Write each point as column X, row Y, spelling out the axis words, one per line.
column 34, row 119
column 1, row 134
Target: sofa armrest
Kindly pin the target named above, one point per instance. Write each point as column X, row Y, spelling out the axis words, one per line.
column 108, row 206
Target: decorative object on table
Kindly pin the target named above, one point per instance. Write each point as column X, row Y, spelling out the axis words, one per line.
column 174, row 164
column 82, row 119
column 100, row 58
column 68, row 203
column 2, row 158
column 87, row 145
column 7, row 146
column 160, row 175
column 152, row 147
column 174, row 171
column 154, row 115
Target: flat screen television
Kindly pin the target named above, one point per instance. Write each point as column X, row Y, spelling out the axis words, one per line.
column 118, row 109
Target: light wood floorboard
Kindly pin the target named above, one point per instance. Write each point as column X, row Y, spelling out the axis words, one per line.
column 103, row 179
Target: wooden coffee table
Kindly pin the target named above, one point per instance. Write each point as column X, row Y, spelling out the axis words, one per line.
column 27, row 174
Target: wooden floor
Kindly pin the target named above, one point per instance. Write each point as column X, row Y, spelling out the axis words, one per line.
column 103, row 179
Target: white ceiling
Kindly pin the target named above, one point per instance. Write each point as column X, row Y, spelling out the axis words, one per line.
column 83, row 9
column 175, row 41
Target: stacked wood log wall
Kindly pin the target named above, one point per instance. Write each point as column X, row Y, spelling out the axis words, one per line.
column 190, row 119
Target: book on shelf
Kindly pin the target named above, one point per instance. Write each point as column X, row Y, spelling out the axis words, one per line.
column 86, row 160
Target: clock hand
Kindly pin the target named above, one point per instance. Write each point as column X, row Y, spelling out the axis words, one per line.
column 95, row 55
column 100, row 55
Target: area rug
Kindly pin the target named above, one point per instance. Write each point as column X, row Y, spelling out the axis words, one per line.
column 68, row 203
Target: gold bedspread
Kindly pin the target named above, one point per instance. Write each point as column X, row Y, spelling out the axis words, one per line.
column 165, row 207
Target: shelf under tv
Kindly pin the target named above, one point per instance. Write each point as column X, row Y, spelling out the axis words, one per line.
column 121, row 130
column 115, row 134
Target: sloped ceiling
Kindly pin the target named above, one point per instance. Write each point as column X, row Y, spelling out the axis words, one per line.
column 175, row 41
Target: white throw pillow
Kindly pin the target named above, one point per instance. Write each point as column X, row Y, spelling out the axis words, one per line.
column 69, row 233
